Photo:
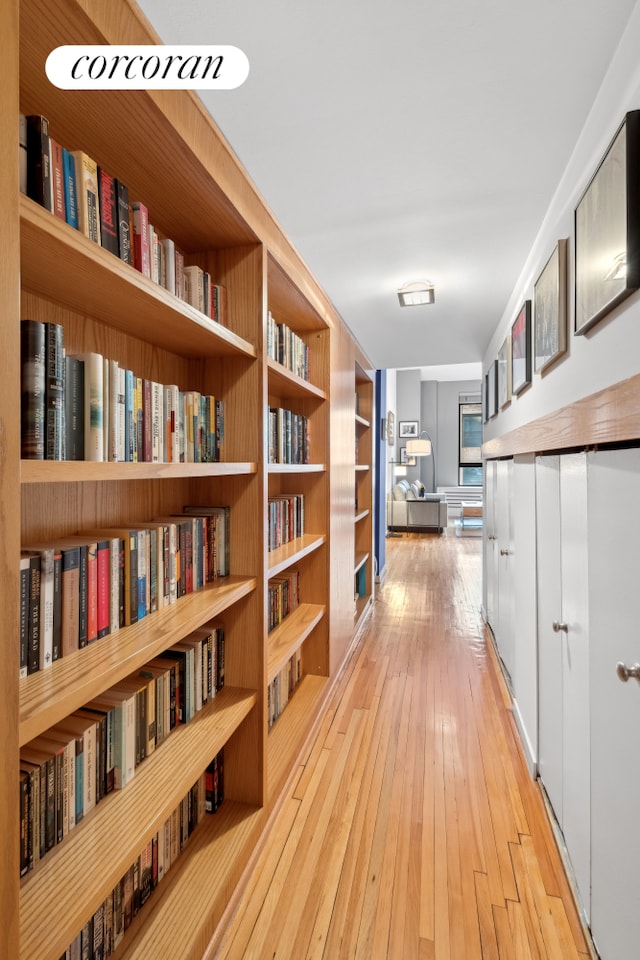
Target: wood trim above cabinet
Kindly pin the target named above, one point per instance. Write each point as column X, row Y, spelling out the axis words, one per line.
column 611, row 415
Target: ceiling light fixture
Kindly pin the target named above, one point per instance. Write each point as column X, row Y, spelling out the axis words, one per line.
column 416, row 292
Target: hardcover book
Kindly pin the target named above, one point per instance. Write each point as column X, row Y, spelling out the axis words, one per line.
column 39, row 186
column 124, row 233
column 70, row 192
column 57, row 179
column 87, row 195
column 32, row 389
column 108, row 211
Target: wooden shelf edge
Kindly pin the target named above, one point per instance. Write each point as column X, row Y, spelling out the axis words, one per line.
column 291, row 728
column 362, row 607
column 279, row 374
column 361, row 515
column 50, row 695
column 296, row 467
column 283, row 642
column 57, row 471
column 362, row 467
column 360, row 560
column 63, row 886
column 170, row 322
column 361, row 421
column 278, row 560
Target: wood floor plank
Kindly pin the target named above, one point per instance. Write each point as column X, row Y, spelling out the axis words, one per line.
column 414, row 830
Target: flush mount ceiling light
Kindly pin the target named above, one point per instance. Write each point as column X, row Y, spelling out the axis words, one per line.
column 416, row 293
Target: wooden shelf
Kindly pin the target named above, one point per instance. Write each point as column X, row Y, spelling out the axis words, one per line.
column 278, row 560
column 361, row 422
column 50, row 695
column 292, row 727
column 65, row 885
column 362, row 467
column 79, row 471
column 362, row 604
column 361, row 515
column 110, row 290
column 287, row 384
column 218, row 845
column 361, row 559
column 283, row 642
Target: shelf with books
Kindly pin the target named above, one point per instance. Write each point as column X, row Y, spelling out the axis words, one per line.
column 80, row 471
column 63, row 887
column 292, row 728
column 360, row 560
column 291, row 634
column 286, row 382
column 112, row 291
column 48, row 696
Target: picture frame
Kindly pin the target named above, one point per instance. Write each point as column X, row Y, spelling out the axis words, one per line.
column 521, row 349
column 408, row 429
column 492, row 390
column 383, row 429
column 391, row 420
column 405, row 459
column 504, row 373
column 485, row 398
column 607, row 229
column 550, row 310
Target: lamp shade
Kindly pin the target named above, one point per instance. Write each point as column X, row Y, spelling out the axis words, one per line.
column 419, row 448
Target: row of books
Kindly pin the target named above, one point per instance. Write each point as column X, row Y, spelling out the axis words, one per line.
column 79, row 589
column 72, row 766
column 283, row 686
column 90, row 407
column 103, row 933
column 283, row 597
column 289, row 440
column 72, row 186
column 287, row 347
column 285, row 519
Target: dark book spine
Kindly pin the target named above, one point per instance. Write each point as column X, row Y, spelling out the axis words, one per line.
column 54, row 391
column 108, row 211
column 74, row 408
column 25, row 594
column 121, row 587
column 34, row 615
column 83, row 608
column 57, row 606
column 25, row 823
column 122, row 214
column 133, row 578
column 32, row 389
column 39, row 161
column 50, row 805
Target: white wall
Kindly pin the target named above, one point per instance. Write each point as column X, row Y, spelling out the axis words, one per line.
column 610, row 351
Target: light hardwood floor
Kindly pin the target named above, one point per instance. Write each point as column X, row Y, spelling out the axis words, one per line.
column 412, row 830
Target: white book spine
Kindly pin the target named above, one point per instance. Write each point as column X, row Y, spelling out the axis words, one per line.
column 129, row 766
column 114, row 410
column 170, row 265
column 121, row 438
column 71, row 783
column 93, row 406
column 157, row 423
column 89, row 754
column 46, row 608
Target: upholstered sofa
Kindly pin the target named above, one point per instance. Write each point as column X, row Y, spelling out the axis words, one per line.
column 411, row 508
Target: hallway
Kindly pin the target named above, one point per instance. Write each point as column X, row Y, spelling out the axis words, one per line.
column 413, row 830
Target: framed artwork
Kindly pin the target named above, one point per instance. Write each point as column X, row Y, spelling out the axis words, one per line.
column 492, row 390
column 391, row 434
column 550, row 310
column 521, row 349
column 407, row 460
column 383, row 428
column 607, row 229
column 485, row 398
column 504, row 373
column 407, row 428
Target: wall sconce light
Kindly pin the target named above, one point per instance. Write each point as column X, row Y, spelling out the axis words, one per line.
column 416, row 292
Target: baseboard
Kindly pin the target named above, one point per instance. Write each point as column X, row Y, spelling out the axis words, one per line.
column 527, row 746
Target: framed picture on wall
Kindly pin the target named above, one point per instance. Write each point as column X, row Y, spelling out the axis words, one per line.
column 607, row 229
column 521, row 349
column 407, row 429
column 550, row 310
column 492, row 390
column 391, row 433
column 407, row 460
column 504, row 373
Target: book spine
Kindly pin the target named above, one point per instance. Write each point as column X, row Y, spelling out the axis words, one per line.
column 92, row 592
column 108, row 211
column 34, row 614
column 169, row 248
column 38, row 161
column 139, row 414
column 180, row 280
column 57, row 605
column 121, row 414
column 25, row 595
column 147, row 422
column 46, row 608
column 130, row 448
column 114, row 410
column 104, row 597
column 87, row 194
column 157, row 423
column 32, row 389
column 23, row 153
column 74, row 408
column 83, row 609
column 70, row 192
column 70, row 599
column 93, row 406
column 122, row 213
column 57, row 180
column 141, row 254
column 54, row 391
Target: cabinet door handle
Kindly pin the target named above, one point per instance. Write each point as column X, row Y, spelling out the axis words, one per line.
column 624, row 672
column 504, row 553
column 560, row 626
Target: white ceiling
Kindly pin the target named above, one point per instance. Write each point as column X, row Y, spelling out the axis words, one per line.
column 421, row 139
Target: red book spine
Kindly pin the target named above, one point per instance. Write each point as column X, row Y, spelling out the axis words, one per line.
column 141, row 254
column 104, row 588
column 92, row 593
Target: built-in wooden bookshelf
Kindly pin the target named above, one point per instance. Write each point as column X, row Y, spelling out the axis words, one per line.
column 362, row 570
column 164, row 146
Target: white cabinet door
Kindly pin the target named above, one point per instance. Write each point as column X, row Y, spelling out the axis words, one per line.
column 504, row 548
column 550, row 741
column 614, row 583
column 563, row 652
column 490, row 549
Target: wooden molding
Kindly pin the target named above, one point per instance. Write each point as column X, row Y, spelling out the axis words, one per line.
column 611, row 415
